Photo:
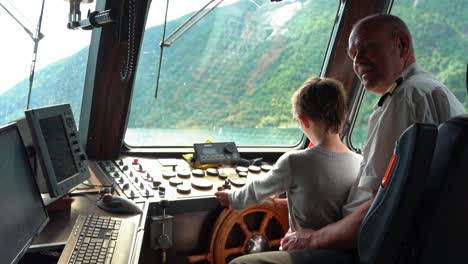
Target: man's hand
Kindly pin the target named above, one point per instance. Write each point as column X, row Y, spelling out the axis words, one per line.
column 341, row 234
column 299, row 240
column 223, row 199
column 280, row 201
column 276, row 202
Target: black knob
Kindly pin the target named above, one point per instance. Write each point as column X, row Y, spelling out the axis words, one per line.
column 69, row 122
column 163, row 204
column 229, row 148
column 227, row 184
column 156, row 184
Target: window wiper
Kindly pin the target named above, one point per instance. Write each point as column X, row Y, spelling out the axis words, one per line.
column 188, row 24
column 178, row 32
column 36, row 37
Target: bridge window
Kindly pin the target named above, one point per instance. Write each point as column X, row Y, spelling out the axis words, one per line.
column 229, row 77
column 60, row 63
column 440, row 39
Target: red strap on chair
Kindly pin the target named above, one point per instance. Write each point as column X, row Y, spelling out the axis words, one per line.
column 389, row 170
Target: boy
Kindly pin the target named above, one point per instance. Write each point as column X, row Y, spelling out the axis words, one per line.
column 317, row 180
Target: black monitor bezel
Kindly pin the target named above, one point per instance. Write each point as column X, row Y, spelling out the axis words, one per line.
column 55, row 188
column 14, row 126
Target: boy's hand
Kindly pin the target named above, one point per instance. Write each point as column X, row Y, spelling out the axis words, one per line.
column 223, row 199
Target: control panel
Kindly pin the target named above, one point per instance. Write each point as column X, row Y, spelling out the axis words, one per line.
column 171, row 179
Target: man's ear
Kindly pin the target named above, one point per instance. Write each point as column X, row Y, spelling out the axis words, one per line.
column 404, row 44
column 304, row 121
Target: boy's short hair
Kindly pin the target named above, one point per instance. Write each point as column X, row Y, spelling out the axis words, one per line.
column 322, row 100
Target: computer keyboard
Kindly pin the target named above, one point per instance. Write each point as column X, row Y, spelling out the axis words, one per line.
column 99, row 240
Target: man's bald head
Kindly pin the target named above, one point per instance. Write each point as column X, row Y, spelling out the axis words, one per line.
column 381, row 49
column 391, row 24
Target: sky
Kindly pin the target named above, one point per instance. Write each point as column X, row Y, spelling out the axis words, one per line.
column 16, row 46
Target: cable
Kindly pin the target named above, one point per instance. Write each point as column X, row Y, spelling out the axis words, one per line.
column 99, row 186
column 126, row 70
column 103, row 190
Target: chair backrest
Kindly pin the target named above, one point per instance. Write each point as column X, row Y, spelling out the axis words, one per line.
column 387, row 224
column 444, row 222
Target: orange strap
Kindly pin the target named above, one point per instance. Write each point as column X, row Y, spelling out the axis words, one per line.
column 389, row 170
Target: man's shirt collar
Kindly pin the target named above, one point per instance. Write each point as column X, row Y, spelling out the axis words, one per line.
column 390, row 91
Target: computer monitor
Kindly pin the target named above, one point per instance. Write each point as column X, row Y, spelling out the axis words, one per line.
column 21, row 205
column 60, row 162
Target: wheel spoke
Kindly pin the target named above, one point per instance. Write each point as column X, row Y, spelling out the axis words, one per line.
column 265, row 222
column 274, row 243
column 227, row 224
column 245, row 229
column 232, row 251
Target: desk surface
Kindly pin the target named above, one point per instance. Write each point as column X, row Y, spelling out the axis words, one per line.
column 60, row 225
column 56, row 233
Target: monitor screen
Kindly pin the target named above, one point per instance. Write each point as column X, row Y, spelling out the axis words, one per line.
column 62, row 161
column 23, row 212
column 57, row 146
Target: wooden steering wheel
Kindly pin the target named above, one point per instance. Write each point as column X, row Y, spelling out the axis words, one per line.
column 238, row 232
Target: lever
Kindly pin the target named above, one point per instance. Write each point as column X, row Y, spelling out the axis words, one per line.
column 163, row 239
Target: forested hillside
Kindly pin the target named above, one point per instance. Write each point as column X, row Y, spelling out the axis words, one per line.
column 60, row 82
column 250, row 80
column 262, row 96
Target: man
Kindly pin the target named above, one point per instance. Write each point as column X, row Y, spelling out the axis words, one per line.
column 380, row 47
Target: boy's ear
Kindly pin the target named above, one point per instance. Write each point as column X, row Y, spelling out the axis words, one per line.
column 304, row 121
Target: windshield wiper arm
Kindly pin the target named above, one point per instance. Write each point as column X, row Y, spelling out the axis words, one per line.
column 34, row 38
column 178, row 32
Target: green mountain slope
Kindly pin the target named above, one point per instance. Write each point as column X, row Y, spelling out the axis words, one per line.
column 211, row 70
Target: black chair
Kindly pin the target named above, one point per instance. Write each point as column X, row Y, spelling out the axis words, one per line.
column 443, row 228
column 387, row 225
